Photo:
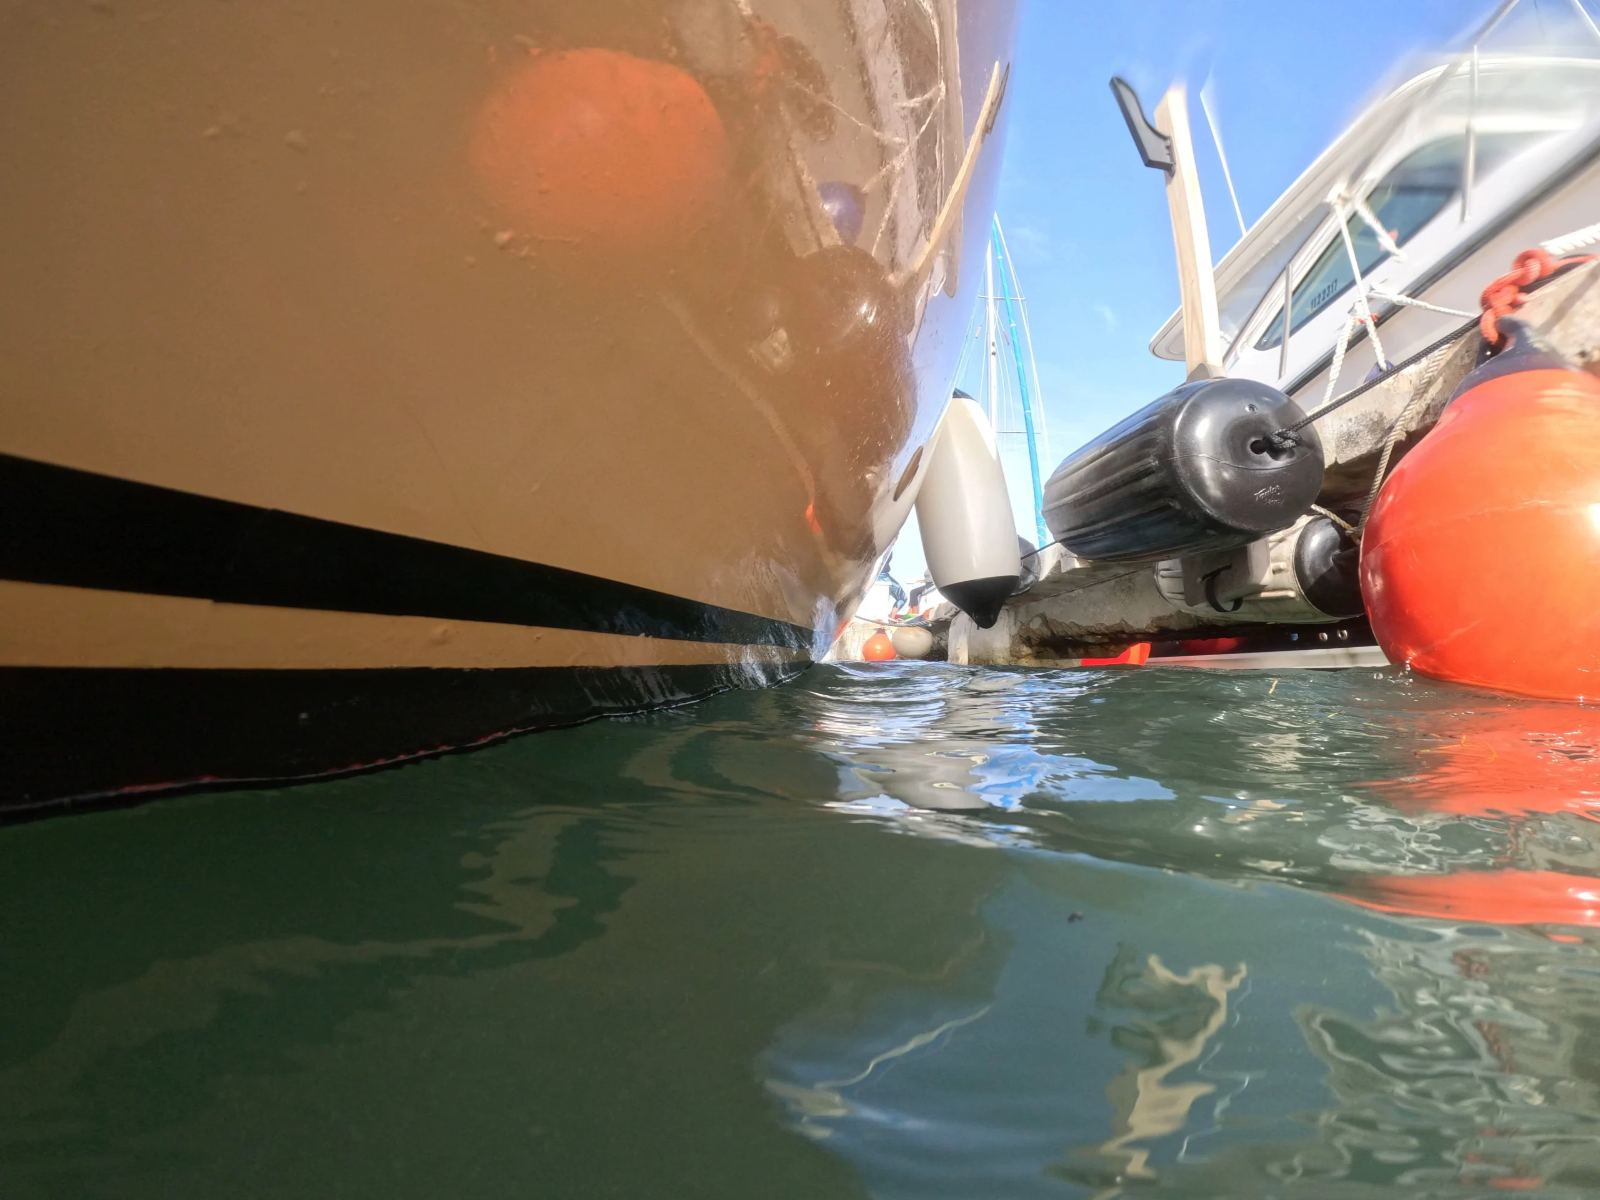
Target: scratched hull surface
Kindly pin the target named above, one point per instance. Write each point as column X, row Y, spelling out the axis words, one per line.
column 384, row 381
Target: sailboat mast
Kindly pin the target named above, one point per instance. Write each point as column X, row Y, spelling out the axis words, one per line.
column 993, row 335
column 1008, row 280
column 1041, row 426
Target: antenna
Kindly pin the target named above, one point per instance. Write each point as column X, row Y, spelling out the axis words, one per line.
column 1216, row 138
column 1587, row 19
column 992, row 336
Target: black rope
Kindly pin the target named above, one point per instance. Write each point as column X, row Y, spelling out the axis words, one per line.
column 1286, row 435
column 1046, row 546
column 1083, row 587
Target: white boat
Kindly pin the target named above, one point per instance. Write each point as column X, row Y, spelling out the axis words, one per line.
column 1373, row 258
column 1464, row 165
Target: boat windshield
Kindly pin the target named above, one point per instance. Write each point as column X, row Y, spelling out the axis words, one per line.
column 1405, row 200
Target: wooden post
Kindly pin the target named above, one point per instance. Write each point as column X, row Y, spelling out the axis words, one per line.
column 1197, row 282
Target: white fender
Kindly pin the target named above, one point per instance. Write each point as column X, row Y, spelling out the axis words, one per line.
column 911, row 641
column 968, row 534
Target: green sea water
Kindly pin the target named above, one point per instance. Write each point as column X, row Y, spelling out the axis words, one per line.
column 1318, row 934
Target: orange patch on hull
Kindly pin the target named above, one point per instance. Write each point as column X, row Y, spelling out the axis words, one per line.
column 602, row 147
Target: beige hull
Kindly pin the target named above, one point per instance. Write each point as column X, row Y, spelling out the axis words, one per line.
column 300, row 397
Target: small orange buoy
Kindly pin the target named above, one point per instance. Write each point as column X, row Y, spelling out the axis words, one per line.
column 878, row 648
column 598, row 146
column 1481, row 560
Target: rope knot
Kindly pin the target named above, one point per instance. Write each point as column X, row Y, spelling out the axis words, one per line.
column 1505, row 295
column 1533, row 264
column 1283, row 440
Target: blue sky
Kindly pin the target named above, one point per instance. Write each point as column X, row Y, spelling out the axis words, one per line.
column 1087, row 223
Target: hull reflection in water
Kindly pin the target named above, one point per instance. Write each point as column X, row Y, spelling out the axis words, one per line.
column 722, row 939
column 392, row 380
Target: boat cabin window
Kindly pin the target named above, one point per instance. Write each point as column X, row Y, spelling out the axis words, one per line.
column 1405, row 200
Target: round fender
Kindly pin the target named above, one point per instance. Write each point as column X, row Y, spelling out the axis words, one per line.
column 1480, row 563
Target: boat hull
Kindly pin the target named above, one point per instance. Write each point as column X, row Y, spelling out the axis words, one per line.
column 100, row 736
column 323, row 445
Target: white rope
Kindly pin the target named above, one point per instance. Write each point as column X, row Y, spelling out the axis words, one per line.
column 1338, row 358
column 1397, row 298
column 1334, row 517
column 1398, row 430
column 1361, row 312
column 1560, row 247
column 1361, row 291
column 1382, row 234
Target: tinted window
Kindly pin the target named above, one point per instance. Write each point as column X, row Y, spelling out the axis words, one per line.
column 1406, row 199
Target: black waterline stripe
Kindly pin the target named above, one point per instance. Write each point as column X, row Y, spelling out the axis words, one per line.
column 84, row 737
column 60, row 525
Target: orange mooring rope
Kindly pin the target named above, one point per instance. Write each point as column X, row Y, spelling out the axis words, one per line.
column 1505, row 295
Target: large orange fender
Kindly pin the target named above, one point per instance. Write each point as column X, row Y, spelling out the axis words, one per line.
column 1480, row 563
